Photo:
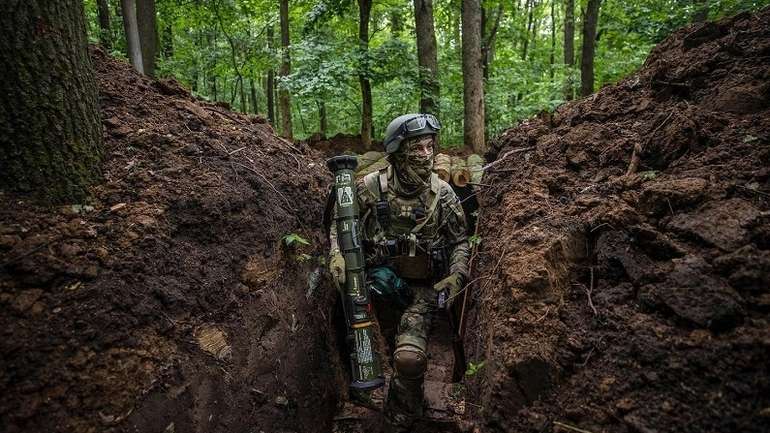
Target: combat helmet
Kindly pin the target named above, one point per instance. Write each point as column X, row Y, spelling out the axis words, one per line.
column 408, row 126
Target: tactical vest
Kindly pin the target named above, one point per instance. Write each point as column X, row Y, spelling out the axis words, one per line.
column 404, row 228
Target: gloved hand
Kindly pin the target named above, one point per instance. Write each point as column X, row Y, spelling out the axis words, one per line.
column 450, row 287
column 337, row 267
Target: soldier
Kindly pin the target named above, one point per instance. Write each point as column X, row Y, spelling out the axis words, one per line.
column 414, row 235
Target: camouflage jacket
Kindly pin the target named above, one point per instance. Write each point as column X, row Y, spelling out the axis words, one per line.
column 430, row 220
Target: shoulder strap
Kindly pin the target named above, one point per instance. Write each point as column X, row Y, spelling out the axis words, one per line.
column 329, row 210
column 435, row 187
column 377, row 183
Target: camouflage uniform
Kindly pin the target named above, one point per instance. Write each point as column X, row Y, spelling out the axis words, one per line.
column 431, row 217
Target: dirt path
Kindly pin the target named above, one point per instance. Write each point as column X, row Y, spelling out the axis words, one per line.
column 444, row 401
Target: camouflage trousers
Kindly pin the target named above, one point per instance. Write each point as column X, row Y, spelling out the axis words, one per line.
column 404, row 402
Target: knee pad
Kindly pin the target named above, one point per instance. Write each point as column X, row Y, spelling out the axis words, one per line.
column 410, row 362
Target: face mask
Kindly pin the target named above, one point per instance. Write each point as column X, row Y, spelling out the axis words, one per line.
column 414, row 162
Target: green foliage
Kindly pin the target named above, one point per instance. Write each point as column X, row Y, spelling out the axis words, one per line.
column 292, row 240
column 220, row 50
column 474, row 240
column 473, row 368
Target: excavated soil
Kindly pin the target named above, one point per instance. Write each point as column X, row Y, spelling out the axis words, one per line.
column 168, row 302
column 609, row 301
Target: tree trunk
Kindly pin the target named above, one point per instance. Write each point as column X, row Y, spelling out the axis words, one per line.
column 322, row 120
column 128, row 7
column 589, row 47
column 364, row 10
column 284, row 101
column 50, row 125
column 148, row 34
column 473, row 83
column 701, row 13
column 531, row 7
column 270, row 81
column 553, row 39
column 254, row 100
column 427, row 57
column 105, row 33
column 569, row 47
column 488, row 47
column 168, row 42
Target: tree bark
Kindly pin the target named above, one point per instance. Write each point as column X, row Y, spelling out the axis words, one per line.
column 569, row 47
column 128, row 7
column 322, row 120
column 105, row 33
column 530, row 8
column 473, row 83
column 488, row 47
column 50, row 125
column 364, row 11
column 270, row 81
column 701, row 13
column 427, row 57
column 589, row 48
column 254, row 100
column 553, row 39
column 148, row 34
column 284, row 100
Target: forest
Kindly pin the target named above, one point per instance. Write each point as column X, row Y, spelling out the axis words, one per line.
column 343, row 64
column 176, row 183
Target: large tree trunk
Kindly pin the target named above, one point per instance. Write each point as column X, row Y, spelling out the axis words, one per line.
column 284, row 101
column 270, row 81
column 427, row 57
column 364, row 10
column 128, row 7
column 473, row 83
column 50, row 127
column 148, row 34
column 105, row 33
column 569, row 47
column 589, row 48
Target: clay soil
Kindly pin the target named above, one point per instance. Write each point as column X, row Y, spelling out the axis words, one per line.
column 610, row 301
column 168, row 303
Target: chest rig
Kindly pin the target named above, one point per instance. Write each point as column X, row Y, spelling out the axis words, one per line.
column 401, row 239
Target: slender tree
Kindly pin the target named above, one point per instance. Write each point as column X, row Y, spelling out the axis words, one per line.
column 569, row 47
column 270, row 80
column 364, row 11
column 128, row 8
column 284, row 100
column 701, row 12
column 427, row 57
column 473, row 83
column 148, row 34
column 105, row 33
column 488, row 42
column 553, row 39
column 322, row 120
column 590, row 21
column 254, row 100
column 50, row 127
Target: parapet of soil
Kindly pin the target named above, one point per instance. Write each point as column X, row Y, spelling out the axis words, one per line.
column 634, row 300
column 168, row 303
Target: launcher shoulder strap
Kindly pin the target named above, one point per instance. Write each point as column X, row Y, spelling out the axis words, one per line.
column 377, row 183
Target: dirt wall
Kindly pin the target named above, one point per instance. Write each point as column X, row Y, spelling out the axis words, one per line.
column 631, row 295
column 168, row 302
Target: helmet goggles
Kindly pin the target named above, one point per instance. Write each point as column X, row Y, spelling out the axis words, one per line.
column 421, row 124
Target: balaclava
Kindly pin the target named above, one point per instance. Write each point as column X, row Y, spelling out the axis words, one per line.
column 413, row 166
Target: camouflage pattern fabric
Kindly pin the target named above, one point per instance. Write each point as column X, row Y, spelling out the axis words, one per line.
column 404, row 402
column 444, row 226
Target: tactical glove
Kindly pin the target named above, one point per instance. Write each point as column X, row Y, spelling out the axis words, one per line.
column 337, row 267
column 448, row 289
